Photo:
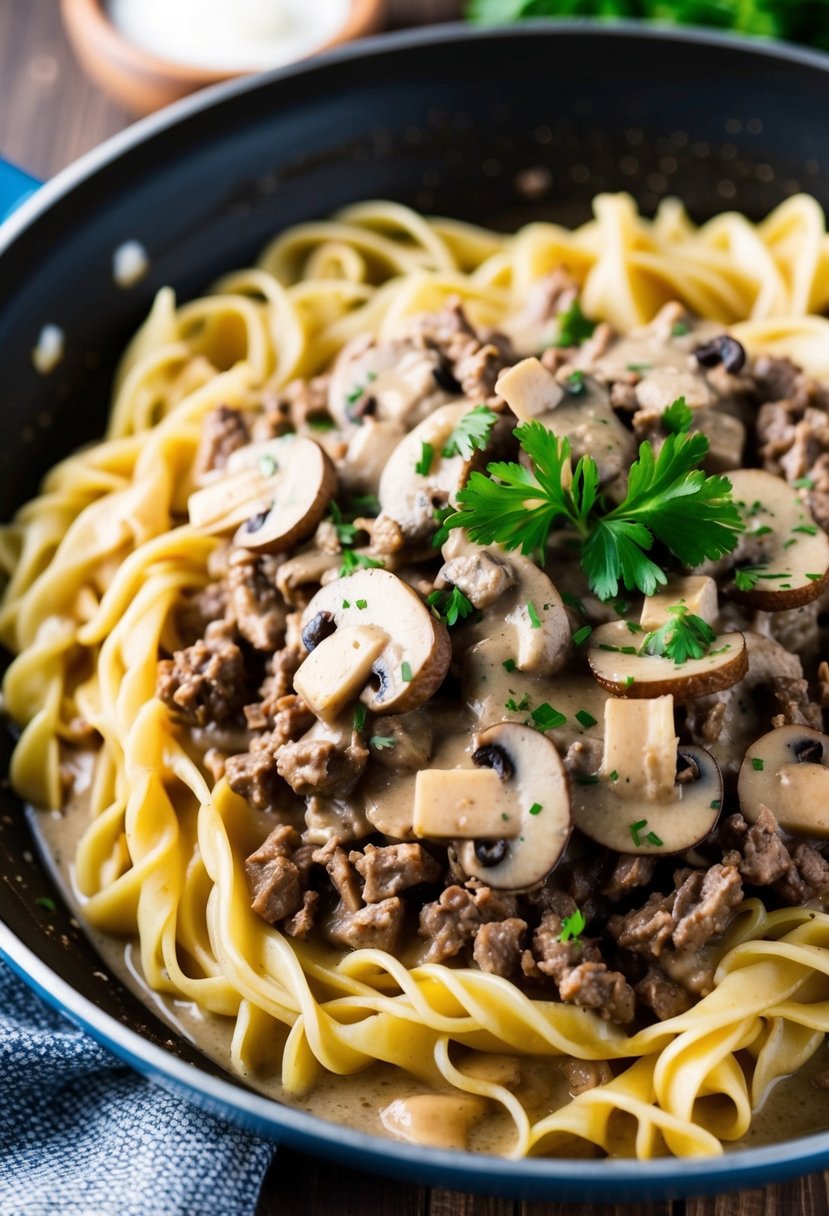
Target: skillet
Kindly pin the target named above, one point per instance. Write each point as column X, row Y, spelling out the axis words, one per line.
column 448, row 121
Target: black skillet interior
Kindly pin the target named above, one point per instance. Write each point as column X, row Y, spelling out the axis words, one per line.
column 447, row 122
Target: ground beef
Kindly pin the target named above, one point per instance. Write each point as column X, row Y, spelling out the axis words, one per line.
column 204, row 683
column 253, row 599
column 452, row 921
column 473, row 358
column 253, row 776
column 593, row 986
column 273, row 878
column 341, row 873
column 374, row 927
column 412, row 741
column 201, row 609
column 223, row 431
column 302, row 922
column 656, row 992
column 292, row 407
column 582, row 1075
column 793, row 428
column 629, row 873
column 390, row 870
column 497, row 948
column 278, row 683
column 764, row 859
column 696, row 912
column 322, row 766
column 386, row 535
column 481, row 577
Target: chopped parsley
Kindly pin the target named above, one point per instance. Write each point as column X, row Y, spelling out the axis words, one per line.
column 581, row 635
column 406, row 672
column 650, row 838
column 679, row 329
column 535, row 620
column 359, row 717
column 806, row 529
column 574, row 384
column 639, row 367
column 361, row 604
column 451, row 606
column 352, row 561
column 684, row 636
column 508, row 665
column 424, row 465
column 814, row 577
column 587, row 720
column 668, row 499
column 516, row 707
column 364, row 504
column 629, row 681
column 757, row 764
column 346, row 532
column 546, row 717
column 321, row 422
column 572, row 927
column 536, row 808
column 745, row 577
column 614, row 776
column 804, row 483
column 573, row 326
column 472, row 433
column 677, row 418
column 381, row 742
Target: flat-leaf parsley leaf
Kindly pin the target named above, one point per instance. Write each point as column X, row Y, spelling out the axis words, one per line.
column 684, row 636
column 471, row 434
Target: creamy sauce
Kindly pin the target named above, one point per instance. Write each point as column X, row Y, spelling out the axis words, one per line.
column 240, row 36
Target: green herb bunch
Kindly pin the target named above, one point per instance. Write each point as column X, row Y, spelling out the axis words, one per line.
column 804, row 21
column 669, row 499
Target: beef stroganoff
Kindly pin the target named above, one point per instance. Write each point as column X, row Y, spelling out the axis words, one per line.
column 434, row 645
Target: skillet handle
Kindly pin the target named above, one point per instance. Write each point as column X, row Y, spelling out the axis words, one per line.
column 15, row 186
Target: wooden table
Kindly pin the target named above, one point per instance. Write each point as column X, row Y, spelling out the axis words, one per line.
column 49, row 115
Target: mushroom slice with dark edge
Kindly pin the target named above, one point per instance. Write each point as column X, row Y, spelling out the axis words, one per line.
column 531, row 774
column 787, row 771
column 581, row 413
column 649, row 795
column 786, row 553
column 418, row 477
column 408, row 669
column 528, row 621
column 274, row 493
column 619, row 666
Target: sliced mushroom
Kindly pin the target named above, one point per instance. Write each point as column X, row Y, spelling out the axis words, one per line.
column 530, row 768
column 649, row 795
column 415, row 659
column 418, row 478
column 787, row 771
column 619, row 666
column 783, row 552
column 697, row 592
column 369, row 451
column 661, row 386
column 582, row 414
column 528, row 620
column 440, row 1120
column 336, row 670
column 397, row 380
column 529, row 389
column 464, row 804
column 278, row 491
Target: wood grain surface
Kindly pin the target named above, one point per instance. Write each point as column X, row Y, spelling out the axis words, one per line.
column 49, row 115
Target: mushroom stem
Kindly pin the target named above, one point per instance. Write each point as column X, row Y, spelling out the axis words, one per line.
column 640, row 748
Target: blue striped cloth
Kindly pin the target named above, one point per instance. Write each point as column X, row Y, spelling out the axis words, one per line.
column 82, row 1135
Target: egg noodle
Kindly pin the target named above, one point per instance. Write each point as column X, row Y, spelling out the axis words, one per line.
column 98, row 562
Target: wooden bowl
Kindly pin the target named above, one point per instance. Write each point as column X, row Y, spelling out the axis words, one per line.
column 144, row 81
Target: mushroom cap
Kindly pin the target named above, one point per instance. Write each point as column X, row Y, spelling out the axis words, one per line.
column 409, row 496
column 542, row 799
column 782, row 537
column 613, row 655
column 617, row 817
column 787, row 770
column 412, row 666
column 398, row 375
column 274, row 493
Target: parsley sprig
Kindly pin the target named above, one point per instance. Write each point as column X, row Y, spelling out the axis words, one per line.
column 451, row 606
column 684, row 636
column 472, row 433
column 677, row 418
column 668, row 499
